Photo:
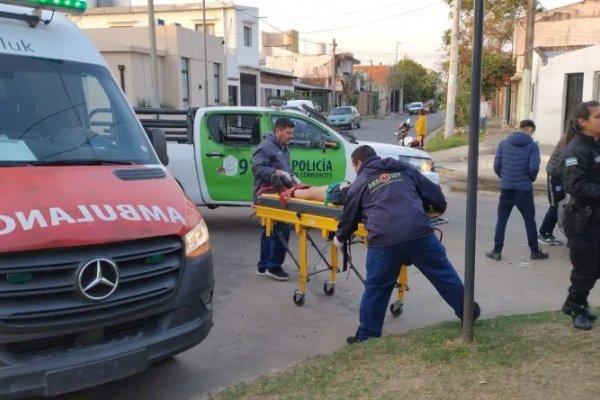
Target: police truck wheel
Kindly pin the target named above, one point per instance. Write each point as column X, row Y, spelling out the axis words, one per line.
column 396, row 309
column 329, row 288
column 299, row 298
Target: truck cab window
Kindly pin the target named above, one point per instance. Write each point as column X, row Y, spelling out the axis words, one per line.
column 234, row 129
column 306, row 133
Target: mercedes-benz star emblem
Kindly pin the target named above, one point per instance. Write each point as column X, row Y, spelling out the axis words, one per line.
column 98, row 279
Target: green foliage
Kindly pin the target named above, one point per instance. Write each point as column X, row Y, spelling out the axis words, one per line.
column 419, row 83
column 439, row 142
column 497, row 66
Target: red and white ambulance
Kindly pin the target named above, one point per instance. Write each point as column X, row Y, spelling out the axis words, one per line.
column 105, row 264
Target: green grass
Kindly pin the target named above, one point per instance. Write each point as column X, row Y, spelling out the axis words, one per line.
column 516, row 354
column 439, row 142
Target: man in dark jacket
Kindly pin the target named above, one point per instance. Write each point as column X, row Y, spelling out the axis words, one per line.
column 390, row 197
column 555, row 195
column 517, row 164
column 271, row 167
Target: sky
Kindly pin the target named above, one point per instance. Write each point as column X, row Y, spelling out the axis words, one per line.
column 372, row 29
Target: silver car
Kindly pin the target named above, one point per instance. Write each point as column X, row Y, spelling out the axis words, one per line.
column 344, row 117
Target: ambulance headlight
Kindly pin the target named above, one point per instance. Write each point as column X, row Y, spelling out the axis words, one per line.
column 196, row 240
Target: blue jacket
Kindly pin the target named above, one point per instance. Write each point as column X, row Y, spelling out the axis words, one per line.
column 268, row 156
column 517, row 162
column 390, row 197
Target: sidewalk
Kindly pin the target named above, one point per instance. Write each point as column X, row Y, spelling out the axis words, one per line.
column 452, row 163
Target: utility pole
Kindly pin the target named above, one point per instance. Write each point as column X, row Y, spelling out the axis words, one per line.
column 205, row 54
column 153, row 58
column 333, row 74
column 369, row 79
column 453, row 71
column 525, row 103
column 401, row 89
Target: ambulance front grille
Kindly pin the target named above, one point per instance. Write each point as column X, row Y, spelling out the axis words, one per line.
column 40, row 289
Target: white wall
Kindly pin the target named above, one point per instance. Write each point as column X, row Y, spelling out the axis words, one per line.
column 550, row 88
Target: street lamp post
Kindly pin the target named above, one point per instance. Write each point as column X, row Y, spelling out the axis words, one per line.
column 401, row 89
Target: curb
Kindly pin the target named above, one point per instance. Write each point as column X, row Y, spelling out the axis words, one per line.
column 457, row 181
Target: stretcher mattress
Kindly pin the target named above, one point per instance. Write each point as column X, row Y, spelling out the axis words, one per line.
column 301, row 206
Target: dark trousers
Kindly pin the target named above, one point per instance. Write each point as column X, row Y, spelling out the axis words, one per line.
column 272, row 251
column 584, row 251
column 383, row 267
column 524, row 203
column 555, row 194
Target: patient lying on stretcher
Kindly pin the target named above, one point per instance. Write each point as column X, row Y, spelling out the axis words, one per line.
column 334, row 193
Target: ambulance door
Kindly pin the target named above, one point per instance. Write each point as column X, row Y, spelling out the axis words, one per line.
column 318, row 156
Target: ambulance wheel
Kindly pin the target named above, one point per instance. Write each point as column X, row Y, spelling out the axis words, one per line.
column 396, row 309
column 299, row 298
column 329, row 288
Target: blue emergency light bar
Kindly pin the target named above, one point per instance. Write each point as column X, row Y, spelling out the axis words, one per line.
column 69, row 6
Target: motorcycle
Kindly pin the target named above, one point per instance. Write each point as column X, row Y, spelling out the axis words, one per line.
column 404, row 137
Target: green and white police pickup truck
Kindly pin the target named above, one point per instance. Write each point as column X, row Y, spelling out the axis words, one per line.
column 210, row 150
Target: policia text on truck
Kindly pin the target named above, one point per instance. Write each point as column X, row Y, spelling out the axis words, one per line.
column 105, row 264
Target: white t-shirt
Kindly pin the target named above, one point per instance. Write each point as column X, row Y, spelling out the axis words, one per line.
column 484, row 109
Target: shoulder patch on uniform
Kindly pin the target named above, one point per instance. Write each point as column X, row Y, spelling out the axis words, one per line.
column 569, row 162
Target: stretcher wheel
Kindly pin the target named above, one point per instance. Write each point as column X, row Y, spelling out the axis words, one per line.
column 329, row 288
column 299, row 298
column 396, row 308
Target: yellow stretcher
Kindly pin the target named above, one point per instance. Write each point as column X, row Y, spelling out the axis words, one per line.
column 305, row 216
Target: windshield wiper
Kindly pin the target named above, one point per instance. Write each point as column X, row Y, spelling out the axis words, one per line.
column 82, row 162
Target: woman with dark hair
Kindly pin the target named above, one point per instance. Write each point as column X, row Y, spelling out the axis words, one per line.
column 580, row 172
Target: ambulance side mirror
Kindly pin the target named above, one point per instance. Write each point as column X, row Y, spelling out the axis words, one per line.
column 159, row 142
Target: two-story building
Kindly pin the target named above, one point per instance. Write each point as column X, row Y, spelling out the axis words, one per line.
column 558, row 79
column 375, row 82
column 236, row 28
column 315, row 73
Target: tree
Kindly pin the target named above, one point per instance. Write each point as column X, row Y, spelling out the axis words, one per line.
column 418, row 83
column 498, row 66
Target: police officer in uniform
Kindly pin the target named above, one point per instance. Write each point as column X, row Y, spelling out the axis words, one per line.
column 580, row 173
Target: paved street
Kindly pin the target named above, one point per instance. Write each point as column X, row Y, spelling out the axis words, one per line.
column 378, row 130
column 258, row 328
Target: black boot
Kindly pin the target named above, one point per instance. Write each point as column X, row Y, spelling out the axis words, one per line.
column 567, row 309
column 579, row 313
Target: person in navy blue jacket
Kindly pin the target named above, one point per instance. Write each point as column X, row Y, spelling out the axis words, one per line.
column 271, row 167
column 517, row 163
column 390, row 197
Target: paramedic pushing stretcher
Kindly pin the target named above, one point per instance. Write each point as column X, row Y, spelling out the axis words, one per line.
column 390, row 197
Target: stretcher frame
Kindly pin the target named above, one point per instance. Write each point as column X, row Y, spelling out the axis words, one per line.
column 270, row 211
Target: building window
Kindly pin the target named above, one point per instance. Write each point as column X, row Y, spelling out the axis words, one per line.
column 247, row 36
column 232, row 97
column 185, row 82
column 217, row 82
column 210, row 28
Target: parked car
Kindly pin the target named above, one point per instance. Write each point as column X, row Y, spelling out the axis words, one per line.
column 414, row 108
column 345, row 116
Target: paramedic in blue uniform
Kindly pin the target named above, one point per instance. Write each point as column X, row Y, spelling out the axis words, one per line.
column 390, row 197
column 271, row 167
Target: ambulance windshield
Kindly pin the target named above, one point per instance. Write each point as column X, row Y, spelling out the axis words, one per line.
column 54, row 111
